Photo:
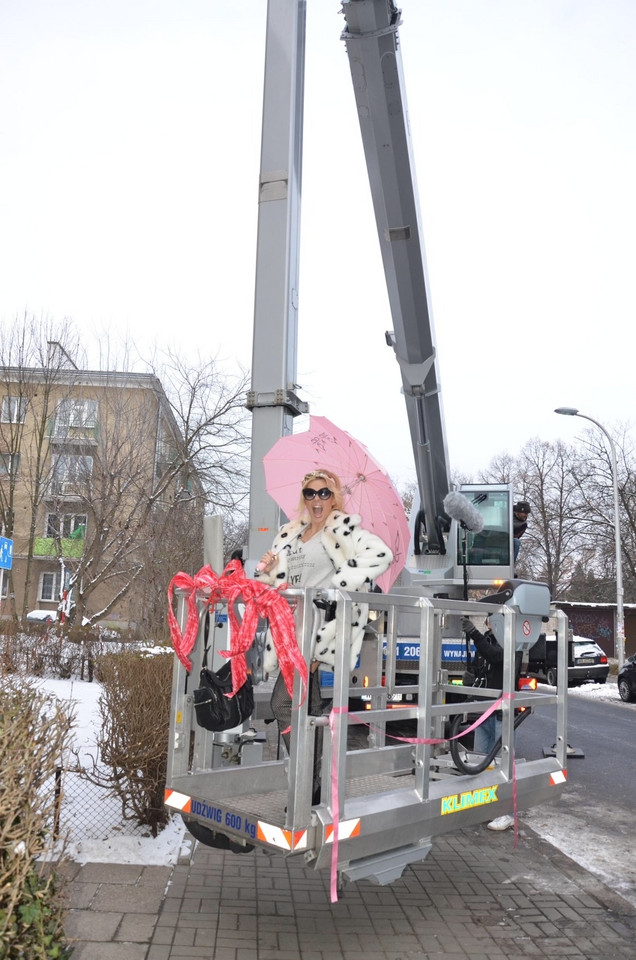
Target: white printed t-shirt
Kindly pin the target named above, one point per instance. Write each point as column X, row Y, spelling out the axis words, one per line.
column 308, row 564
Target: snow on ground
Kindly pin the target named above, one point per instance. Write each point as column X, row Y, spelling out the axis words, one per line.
column 91, row 818
column 581, row 829
column 99, row 834
column 597, row 691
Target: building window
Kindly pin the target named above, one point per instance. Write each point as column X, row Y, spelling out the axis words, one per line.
column 9, row 464
column 70, row 474
column 13, row 409
column 75, row 413
column 49, row 586
column 66, row 525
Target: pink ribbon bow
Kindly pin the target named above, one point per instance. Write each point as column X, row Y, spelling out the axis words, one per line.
column 259, row 600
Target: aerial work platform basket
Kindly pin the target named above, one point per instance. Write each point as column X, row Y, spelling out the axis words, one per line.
column 389, row 783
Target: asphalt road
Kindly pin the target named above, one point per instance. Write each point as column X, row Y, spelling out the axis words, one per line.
column 593, row 822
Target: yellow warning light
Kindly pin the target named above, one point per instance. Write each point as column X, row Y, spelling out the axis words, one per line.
column 365, row 682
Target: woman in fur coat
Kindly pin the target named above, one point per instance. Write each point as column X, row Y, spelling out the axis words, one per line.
column 323, row 547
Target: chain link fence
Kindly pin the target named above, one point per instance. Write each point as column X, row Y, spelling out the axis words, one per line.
column 49, row 653
column 85, row 813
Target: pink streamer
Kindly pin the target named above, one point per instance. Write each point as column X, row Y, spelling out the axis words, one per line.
column 335, row 801
column 335, row 805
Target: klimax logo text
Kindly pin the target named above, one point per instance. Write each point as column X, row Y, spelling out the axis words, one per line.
column 471, row 798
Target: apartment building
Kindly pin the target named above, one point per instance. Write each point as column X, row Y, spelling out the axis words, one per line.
column 92, row 477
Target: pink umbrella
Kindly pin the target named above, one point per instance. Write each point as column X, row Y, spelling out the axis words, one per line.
column 368, row 488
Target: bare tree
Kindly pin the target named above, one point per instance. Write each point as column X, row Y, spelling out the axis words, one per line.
column 144, row 533
column 209, row 407
column 135, row 481
column 501, row 469
column 544, row 474
column 235, row 532
column 35, row 358
column 570, row 539
column 596, row 482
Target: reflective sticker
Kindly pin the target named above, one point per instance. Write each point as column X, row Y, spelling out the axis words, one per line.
column 177, row 800
column 268, row 833
column 346, row 829
column 299, row 840
column 559, row 777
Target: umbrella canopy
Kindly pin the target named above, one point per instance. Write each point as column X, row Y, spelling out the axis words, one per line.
column 368, row 489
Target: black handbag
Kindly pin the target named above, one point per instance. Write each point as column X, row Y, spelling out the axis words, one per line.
column 214, row 710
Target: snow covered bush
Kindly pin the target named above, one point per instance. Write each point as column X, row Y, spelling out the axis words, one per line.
column 52, row 650
column 34, row 737
column 133, row 741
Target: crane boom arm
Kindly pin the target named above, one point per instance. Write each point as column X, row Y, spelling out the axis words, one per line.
column 372, row 44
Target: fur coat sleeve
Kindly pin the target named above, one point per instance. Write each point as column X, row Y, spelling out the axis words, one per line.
column 358, row 558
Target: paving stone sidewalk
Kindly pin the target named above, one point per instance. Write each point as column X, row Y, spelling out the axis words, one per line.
column 476, row 897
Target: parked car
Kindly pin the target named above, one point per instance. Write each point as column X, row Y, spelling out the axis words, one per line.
column 42, row 616
column 587, row 661
column 627, row 680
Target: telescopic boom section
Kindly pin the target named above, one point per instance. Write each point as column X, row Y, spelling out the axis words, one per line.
column 272, row 398
column 372, row 43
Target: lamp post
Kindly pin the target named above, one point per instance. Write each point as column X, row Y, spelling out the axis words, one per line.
column 619, row 638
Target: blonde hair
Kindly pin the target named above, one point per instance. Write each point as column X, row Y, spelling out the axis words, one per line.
column 332, row 482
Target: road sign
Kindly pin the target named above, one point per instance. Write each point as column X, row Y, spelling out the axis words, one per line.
column 6, row 553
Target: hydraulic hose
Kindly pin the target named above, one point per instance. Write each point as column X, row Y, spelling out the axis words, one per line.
column 455, row 746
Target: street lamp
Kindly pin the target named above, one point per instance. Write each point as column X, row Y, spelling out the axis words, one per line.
column 619, row 639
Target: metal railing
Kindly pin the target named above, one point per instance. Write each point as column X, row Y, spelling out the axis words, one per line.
column 401, row 789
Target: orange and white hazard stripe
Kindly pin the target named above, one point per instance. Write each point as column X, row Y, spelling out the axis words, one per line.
column 346, row 829
column 279, row 837
column 178, row 801
column 559, row 777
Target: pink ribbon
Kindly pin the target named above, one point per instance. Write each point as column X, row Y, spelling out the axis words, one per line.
column 335, row 804
column 259, row 599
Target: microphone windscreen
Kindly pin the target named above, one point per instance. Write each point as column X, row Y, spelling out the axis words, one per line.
column 460, row 508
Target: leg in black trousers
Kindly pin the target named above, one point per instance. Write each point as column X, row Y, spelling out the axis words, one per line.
column 281, row 704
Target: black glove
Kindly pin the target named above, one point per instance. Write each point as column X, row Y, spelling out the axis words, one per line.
column 467, row 625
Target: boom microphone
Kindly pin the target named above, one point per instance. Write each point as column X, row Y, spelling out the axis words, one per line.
column 461, row 509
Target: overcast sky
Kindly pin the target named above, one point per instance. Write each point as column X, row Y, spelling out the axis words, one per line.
column 130, row 137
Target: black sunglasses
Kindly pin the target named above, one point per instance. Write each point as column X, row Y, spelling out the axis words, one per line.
column 324, row 493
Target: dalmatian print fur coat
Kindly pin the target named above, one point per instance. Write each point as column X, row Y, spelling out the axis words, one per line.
column 358, row 558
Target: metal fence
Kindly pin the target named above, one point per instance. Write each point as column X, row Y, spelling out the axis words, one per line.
column 88, row 814
column 84, row 814
column 53, row 654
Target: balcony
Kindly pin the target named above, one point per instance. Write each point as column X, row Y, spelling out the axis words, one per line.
column 66, row 490
column 72, row 547
column 84, row 436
